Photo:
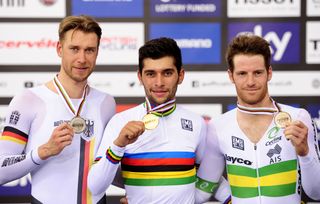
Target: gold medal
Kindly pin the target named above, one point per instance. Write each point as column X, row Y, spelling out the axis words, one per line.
column 150, row 121
column 282, row 119
column 78, row 124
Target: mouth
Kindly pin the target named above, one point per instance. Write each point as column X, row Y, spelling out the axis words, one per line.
column 159, row 93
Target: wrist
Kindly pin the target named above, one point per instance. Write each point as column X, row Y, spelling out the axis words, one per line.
column 43, row 152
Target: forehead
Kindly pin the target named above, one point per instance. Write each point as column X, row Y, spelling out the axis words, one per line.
column 163, row 63
column 78, row 37
column 243, row 61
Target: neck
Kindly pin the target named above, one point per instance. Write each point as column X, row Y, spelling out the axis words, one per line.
column 268, row 108
column 73, row 89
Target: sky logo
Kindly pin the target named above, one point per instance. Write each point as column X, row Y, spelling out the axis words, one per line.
column 199, row 42
column 284, row 38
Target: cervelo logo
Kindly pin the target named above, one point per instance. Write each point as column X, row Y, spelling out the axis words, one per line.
column 13, row 44
column 280, row 43
column 119, row 43
column 194, row 43
column 237, row 160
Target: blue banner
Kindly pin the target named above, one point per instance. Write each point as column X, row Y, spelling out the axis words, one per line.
column 199, row 42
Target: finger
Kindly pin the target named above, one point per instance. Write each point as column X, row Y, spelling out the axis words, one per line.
column 135, row 128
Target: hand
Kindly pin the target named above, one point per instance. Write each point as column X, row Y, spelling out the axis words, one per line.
column 130, row 133
column 297, row 132
column 124, row 200
column 60, row 138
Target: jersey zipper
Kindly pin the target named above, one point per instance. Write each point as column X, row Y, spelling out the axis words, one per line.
column 257, row 170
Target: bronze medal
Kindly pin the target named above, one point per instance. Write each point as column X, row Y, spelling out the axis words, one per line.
column 78, row 124
column 282, row 119
column 150, row 121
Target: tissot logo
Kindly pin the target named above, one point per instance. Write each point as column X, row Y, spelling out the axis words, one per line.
column 12, row 3
column 263, row 1
column 263, row 8
column 284, row 38
column 315, row 44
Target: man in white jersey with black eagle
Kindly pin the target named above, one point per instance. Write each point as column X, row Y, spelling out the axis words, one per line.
column 52, row 131
column 157, row 142
column 270, row 149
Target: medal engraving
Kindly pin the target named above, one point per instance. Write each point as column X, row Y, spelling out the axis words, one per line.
column 78, row 124
column 150, row 121
column 282, row 119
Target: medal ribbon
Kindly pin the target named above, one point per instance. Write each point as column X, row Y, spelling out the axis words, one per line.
column 163, row 109
column 260, row 110
column 64, row 95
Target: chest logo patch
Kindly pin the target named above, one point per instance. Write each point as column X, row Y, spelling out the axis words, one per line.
column 14, row 117
column 186, row 124
column 237, row 143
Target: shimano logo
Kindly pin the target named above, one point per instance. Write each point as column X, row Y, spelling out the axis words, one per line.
column 194, row 43
column 237, row 160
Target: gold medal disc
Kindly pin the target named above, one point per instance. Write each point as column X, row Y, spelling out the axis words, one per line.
column 150, row 121
column 78, row 124
column 282, row 119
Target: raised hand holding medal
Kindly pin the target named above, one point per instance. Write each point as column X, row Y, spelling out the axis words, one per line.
column 151, row 119
column 77, row 122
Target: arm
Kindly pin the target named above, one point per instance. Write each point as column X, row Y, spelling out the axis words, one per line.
column 14, row 161
column 304, row 138
column 211, row 168
column 111, row 151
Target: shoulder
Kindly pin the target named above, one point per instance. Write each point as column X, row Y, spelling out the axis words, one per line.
column 226, row 117
column 294, row 111
column 30, row 95
column 186, row 112
column 95, row 93
column 130, row 114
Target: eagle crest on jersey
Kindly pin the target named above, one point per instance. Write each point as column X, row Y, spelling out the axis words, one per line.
column 88, row 131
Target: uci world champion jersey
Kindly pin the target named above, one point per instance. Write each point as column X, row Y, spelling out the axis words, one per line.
column 266, row 172
column 160, row 166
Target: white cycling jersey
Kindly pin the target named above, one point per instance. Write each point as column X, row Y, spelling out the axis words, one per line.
column 160, row 166
column 266, row 172
column 32, row 116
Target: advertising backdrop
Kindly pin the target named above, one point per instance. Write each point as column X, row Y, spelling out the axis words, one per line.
column 202, row 28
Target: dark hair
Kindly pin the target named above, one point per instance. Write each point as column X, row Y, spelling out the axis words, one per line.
column 83, row 23
column 249, row 45
column 158, row 48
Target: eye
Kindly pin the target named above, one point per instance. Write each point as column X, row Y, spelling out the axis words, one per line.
column 168, row 73
column 149, row 74
column 258, row 73
column 241, row 73
column 90, row 50
column 74, row 49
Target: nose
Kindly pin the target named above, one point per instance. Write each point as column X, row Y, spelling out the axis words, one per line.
column 82, row 57
column 159, row 80
column 250, row 80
